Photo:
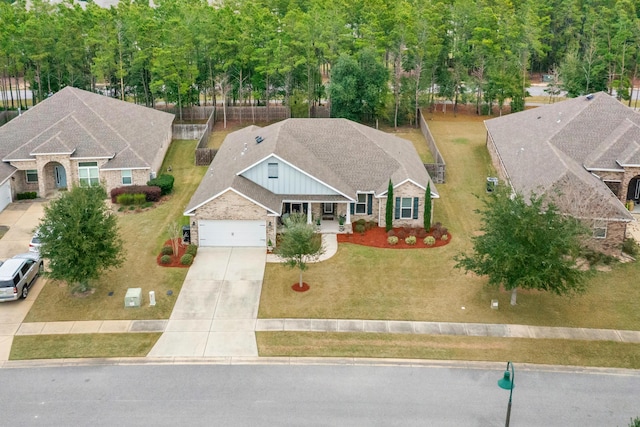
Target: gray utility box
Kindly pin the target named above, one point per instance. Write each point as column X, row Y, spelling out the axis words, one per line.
column 133, row 297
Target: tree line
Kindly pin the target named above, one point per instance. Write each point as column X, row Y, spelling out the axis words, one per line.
column 388, row 56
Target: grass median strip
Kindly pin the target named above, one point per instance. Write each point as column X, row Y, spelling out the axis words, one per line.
column 82, row 346
column 523, row 350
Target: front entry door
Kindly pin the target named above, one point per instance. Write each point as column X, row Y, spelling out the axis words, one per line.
column 327, row 208
column 61, row 177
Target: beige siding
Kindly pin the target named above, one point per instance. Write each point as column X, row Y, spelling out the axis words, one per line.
column 113, row 178
column 405, row 190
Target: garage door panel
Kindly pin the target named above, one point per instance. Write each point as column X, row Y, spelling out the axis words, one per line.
column 5, row 195
column 232, row 233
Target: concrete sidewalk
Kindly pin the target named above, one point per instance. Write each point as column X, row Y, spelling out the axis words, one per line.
column 446, row 328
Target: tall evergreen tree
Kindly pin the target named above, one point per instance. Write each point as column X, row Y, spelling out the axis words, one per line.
column 388, row 219
column 427, row 207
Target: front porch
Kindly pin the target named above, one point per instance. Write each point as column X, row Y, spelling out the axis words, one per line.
column 327, row 214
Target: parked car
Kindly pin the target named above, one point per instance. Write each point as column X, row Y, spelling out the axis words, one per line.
column 34, row 244
column 17, row 274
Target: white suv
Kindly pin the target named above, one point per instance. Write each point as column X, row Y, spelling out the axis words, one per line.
column 18, row 274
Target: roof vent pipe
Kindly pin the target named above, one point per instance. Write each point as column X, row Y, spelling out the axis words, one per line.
column 259, row 139
column 589, row 97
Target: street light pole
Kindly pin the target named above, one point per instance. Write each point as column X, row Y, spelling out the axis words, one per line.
column 508, row 383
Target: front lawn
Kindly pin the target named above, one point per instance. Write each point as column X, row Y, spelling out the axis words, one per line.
column 421, row 284
column 143, row 234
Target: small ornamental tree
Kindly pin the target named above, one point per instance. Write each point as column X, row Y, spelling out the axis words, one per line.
column 299, row 244
column 528, row 245
column 388, row 218
column 427, row 207
column 79, row 237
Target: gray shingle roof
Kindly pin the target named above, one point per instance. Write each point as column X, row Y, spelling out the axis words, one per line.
column 563, row 142
column 345, row 155
column 89, row 126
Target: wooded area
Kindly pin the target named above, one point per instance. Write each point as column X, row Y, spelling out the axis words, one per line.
column 389, row 56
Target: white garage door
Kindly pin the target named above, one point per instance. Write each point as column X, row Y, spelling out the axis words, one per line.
column 5, row 195
column 232, row 233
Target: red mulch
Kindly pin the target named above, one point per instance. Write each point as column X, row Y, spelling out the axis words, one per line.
column 175, row 258
column 296, row 287
column 377, row 238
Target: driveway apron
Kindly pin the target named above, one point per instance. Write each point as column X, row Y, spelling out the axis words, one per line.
column 216, row 311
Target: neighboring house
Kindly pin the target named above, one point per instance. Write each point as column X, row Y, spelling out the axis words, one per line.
column 584, row 153
column 324, row 168
column 78, row 137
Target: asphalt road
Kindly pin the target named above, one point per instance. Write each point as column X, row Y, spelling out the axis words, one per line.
column 263, row 395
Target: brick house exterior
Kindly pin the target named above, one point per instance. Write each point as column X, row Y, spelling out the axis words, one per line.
column 581, row 153
column 326, row 169
column 77, row 137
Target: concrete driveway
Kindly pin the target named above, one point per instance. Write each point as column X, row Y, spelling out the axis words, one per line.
column 216, row 311
column 21, row 218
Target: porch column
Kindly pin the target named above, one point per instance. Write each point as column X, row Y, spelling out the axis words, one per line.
column 309, row 217
column 348, row 213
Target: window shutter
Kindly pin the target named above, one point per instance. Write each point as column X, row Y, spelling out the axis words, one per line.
column 416, row 200
column 397, row 207
column 369, row 204
column 352, row 207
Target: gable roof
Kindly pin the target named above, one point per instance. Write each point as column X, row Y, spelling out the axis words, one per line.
column 547, row 147
column 86, row 125
column 344, row 155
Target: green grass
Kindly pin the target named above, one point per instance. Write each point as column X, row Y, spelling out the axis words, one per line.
column 415, row 136
column 82, row 345
column 143, row 234
column 519, row 350
column 422, row 284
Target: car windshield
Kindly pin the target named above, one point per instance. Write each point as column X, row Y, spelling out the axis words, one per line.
column 35, row 239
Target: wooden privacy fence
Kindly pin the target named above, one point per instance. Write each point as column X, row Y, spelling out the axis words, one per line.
column 436, row 170
column 254, row 114
column 204, row 155
column 190, row 113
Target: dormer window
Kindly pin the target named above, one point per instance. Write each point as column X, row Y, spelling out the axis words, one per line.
column 273, row 170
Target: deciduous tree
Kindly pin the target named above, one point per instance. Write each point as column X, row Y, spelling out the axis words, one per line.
column 526, row 244
column 299, row 244
column 79, row 237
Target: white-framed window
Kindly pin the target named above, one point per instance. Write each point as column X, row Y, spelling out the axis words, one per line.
column 406, row 208
column 361, row 205
column 272, row 170
column 127, row 177
column 599, row 229
column 88, row 173
column 32, row 176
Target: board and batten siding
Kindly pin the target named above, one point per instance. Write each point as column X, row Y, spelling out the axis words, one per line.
column 289, row 180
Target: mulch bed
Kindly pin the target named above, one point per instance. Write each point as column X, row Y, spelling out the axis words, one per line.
column 296, row 287
column 175, row 258
column 377, row 238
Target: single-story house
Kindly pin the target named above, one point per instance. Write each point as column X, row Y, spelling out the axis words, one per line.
column 78, row 137
column 324, row 168
column 583, row 153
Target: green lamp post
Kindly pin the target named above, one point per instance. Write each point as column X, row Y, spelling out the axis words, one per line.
column 507, row 382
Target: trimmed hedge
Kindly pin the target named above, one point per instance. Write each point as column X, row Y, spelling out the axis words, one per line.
column 192, row 250
column 392, row 240
column 164, row 181
column 167, row 250
column 165, row 259
column 151, row 193
column 187, row 259
column 27, row 195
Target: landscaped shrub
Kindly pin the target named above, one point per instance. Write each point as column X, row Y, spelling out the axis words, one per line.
column 360, row 228
column 26, row 195
column 371, row 225
column 429, row 240
column 401, row 234
column 444, row 237
column 391, row 233
column 422, row 233
column 361, row 222
column 147, row 204
column 408, row 231
column 139, row 199
column 164, row 181
column 124, row 199
column 167, row 250
column 165, row 259
column 411, row 240
column 187, row 259
column 630, row 247
column 392, row 240
column 152, row 194
column 192, row 250
column 438, row 231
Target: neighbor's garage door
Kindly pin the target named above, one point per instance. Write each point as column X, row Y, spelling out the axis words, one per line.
column 5, row 195
column 232, row 233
